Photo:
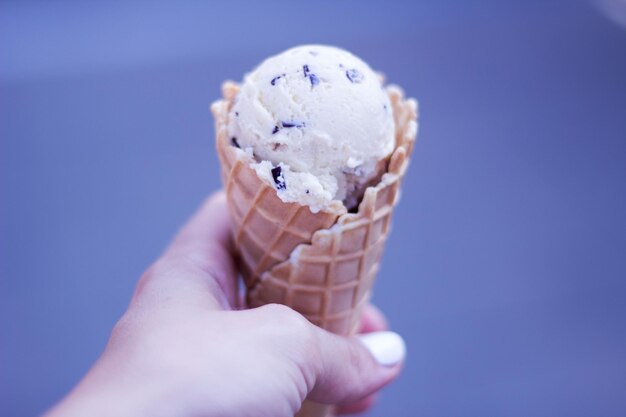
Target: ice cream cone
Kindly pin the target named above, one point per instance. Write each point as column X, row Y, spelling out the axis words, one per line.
column 266, row 229
column 322, row 264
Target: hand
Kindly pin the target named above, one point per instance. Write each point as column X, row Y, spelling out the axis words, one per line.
column 183, row 349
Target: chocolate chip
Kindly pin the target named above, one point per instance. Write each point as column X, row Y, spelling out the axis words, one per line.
column 279, row 180
column 307, row 191
column 237, row 114
column 354, row 75
column 314, row 79
column 278, row 77
column 292, row 124
column 234, row 142
column 287, row 125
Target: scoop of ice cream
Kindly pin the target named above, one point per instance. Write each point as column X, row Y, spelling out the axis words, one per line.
column 318, row 123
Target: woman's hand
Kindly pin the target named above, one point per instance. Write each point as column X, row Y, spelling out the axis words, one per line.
column 183, row 349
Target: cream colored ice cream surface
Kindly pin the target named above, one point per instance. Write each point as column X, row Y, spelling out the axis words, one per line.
column 317, row 121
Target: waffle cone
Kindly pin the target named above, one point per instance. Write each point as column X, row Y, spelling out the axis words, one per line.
column 322, row 264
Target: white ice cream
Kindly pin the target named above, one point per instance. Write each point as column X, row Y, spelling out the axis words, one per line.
column 318, row 122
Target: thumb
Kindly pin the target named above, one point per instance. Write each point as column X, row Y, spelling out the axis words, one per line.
column 351, row 368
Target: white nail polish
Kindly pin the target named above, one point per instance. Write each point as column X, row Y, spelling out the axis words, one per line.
column 388, row 348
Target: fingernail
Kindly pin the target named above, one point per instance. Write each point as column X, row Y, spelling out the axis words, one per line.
column 388, row 348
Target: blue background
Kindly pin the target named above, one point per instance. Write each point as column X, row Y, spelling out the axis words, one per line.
column 506, row 269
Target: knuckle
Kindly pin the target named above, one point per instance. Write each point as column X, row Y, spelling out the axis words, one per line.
column 289, row 320
column 144, row 281
column 276, row 309
column 279, row 312
column 298, row 340
column 124, row 328
column 149, row 276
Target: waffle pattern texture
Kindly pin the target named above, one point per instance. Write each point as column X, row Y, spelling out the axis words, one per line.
column 323, row 264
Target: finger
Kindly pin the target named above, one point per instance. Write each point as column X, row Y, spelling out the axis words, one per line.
column 199, row 262
column 372, row 320
column 359, row 406
column 203, row 248
column 350, row 369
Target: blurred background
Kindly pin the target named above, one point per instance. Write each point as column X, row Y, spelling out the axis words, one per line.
column 506, row 269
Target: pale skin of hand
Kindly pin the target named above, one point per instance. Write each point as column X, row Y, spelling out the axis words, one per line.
column 183, row 349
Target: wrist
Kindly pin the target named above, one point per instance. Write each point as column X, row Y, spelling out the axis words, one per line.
column 110, row 389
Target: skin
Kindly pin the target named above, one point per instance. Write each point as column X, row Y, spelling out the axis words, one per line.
column 184, row 349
